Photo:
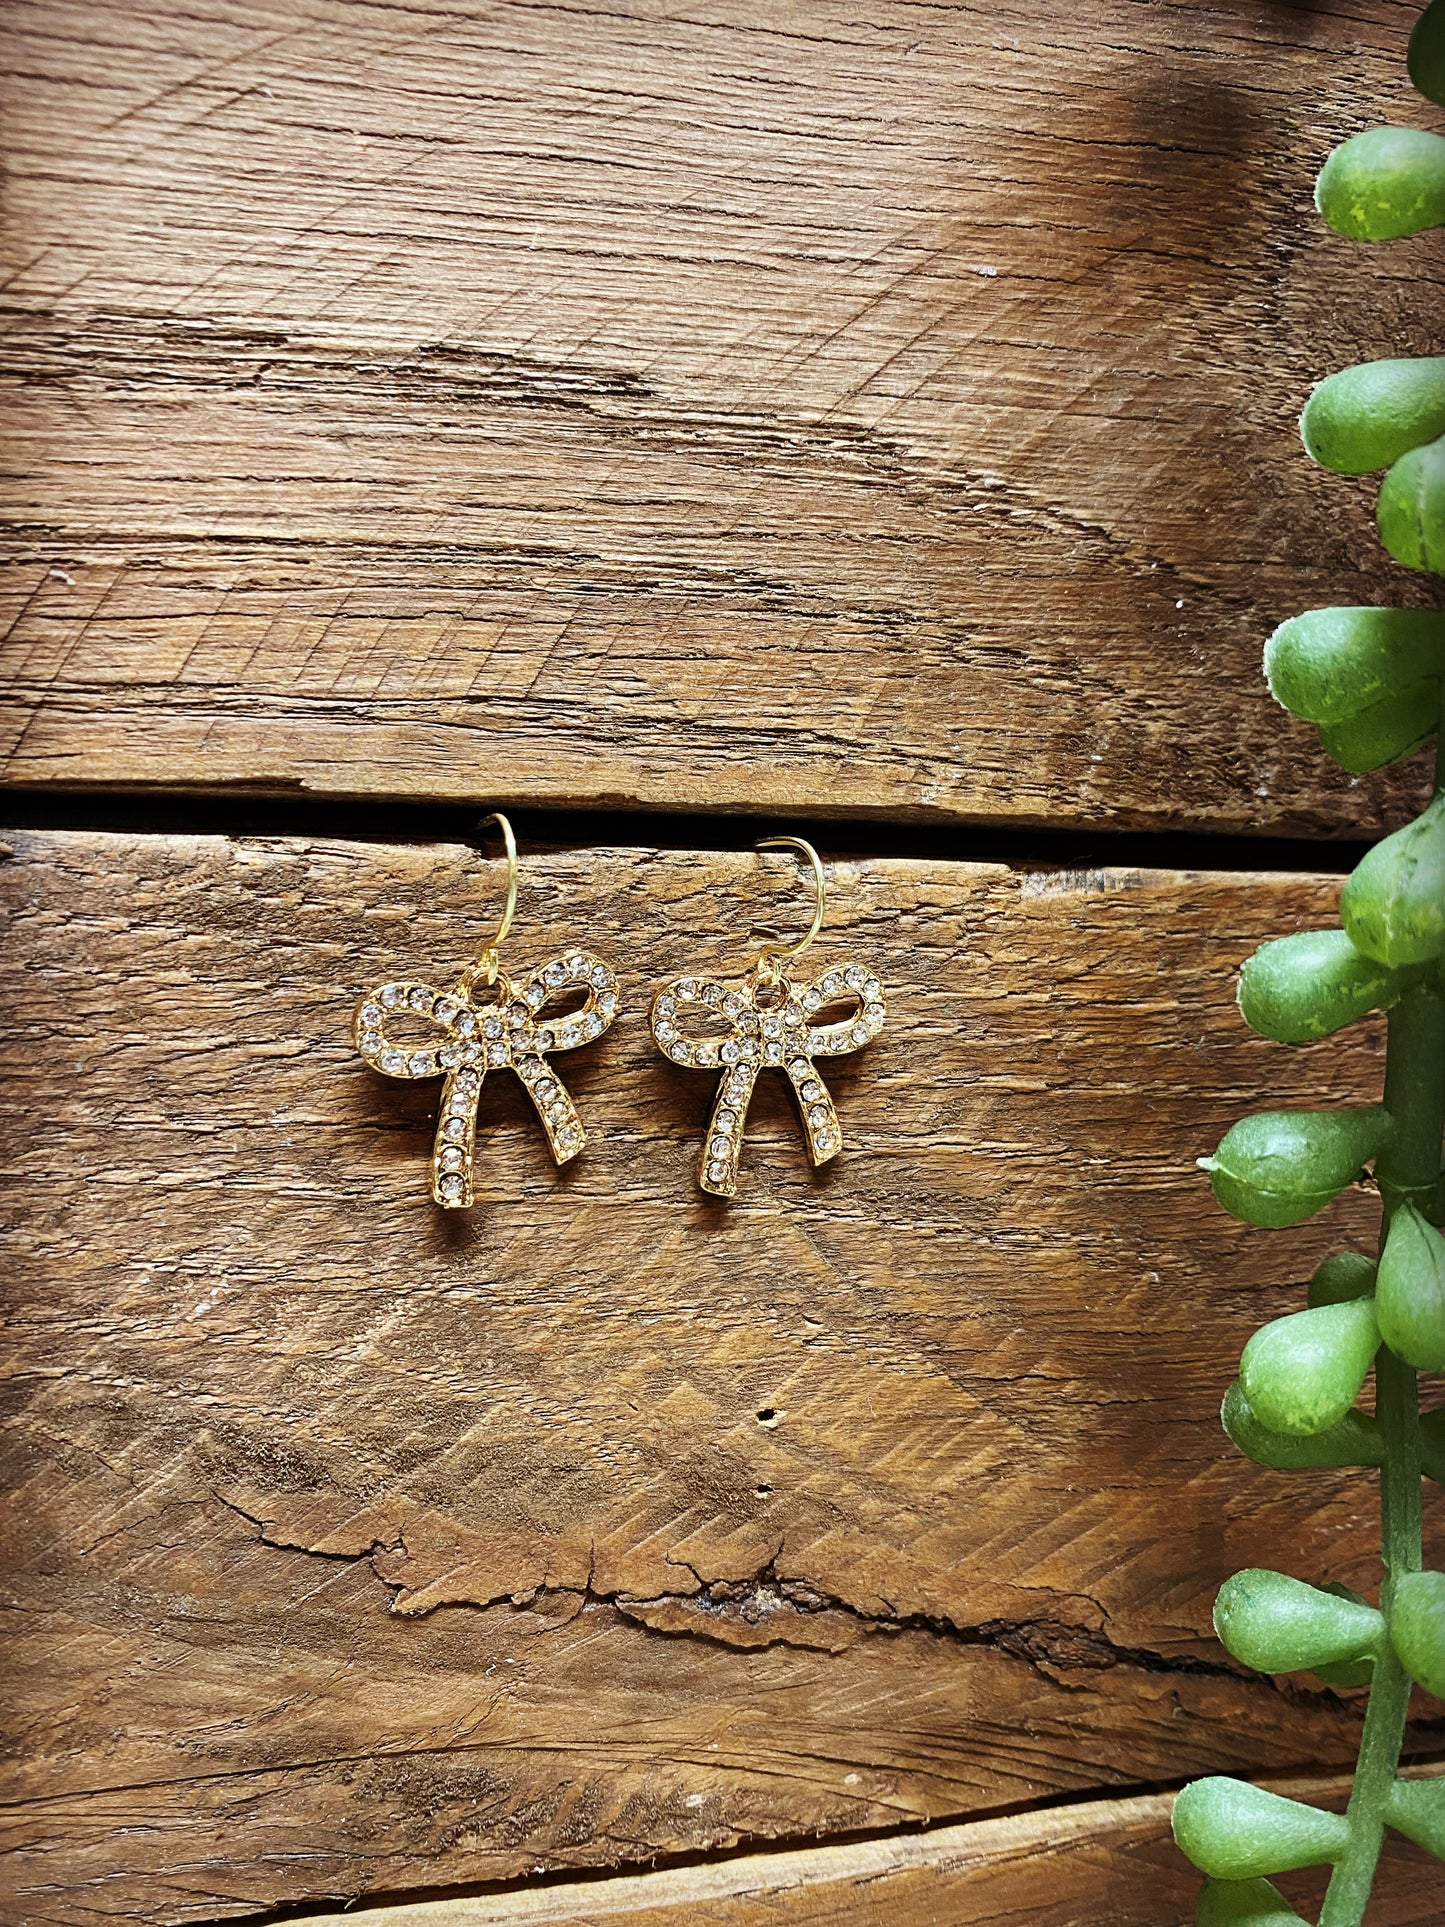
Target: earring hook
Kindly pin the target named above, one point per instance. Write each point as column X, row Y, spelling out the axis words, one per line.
column 486, row 965
column 769, row 960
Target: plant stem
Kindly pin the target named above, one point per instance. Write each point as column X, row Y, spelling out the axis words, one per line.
column 1408, row 1170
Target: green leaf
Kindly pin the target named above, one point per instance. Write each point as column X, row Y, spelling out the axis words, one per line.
column 1244, row 1903
column 1234, row 1831
column 1300, row 988
column 1426, row 57
column 1386, row 731
column 1280, row 1167
column 1280, row 1625
column 1416, row 1808
column 1393, row 906
column 1410, row 1300
column 1342, row 1276
column 1411, row 510
column 1417, row 1628
column 1384, row 183
column 1328, row 665
column 1351, row 1440
column 1366, row 417
column 1301, row 1374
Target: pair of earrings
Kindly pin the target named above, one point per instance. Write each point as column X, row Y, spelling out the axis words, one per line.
column 490, row 1021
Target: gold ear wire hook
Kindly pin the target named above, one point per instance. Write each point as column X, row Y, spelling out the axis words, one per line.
column 769, row 960
column 486, row 965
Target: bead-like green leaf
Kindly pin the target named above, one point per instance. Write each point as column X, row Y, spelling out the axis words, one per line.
column 1411, row 509
column 1280, row 1625
column 1234, row 1831
column 1328, row 665
column 1366, row 417
column 1301, row 1374
column 1417, row 1628
column 1244, row 1903
column 1307, row 986
column 1386, row 731
column 1410, row 1296
column 1280, row 1167
column 1416, row 1808
column 1393, row 906
column 1384, row 183
column 1426, row 57
column 1343, row 1275
column 1351, row 1440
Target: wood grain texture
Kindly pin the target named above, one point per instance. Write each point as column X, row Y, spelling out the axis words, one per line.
column 740, row 406
column 353, row 1548
column 1104, row 1863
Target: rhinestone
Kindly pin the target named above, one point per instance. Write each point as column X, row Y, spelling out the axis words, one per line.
column 717, row 1173
column 817, row 1041
column 393, row 1061
column 687, row 990
column 665, row 1006
column 826, row 1141
column 371, row 1015
column 799, row 1067
column 455, row 1128
column 554, row 974
column 818, row 1118
column 719, row 1147
column 589, row 1025
column 853, row 976
column 873, row 991
column 518, row 1015
column 566, row 1037
column 534, row 994
column 468, row 1081
column 391, row 996
column 874, row 1014
column 570, row 1138
column 421, row 1062
column 663, row 1032
column 739, row 1084
column 371, row 1042
column 730, row 1051
column 810, row 998
column 419, row 997
column 545, row 1040
column 492, row 1027
column 832, row 983
column 557, row 1113
column 577, row 965
column 607, row 1002
column 725, row 1120
column 450, row 1160
column 601, row 976
column 772, row 1027
column 449, row 1055
column 471, row 1053
column 773, row 1053
column 444, row 1009
column 705, row 1055
column 529, row 1070
column 861, row 1033
column 793, row 1014
column 812, row 1091
column 732, row 1003
column 678, row 1050
column 748, row 1049
column 451, row 1189
column 498, row 1054
column 466, row 1024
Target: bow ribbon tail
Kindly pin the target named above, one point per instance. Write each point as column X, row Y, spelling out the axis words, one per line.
column 718, row 1168
column 821, row 1129
column 451, row 1162
column 553, row 1104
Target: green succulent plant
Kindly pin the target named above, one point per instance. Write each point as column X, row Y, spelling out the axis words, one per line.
column 1374, row 682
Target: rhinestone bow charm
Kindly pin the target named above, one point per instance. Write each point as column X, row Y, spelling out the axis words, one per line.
column 482, row 1025
column 770, row 1020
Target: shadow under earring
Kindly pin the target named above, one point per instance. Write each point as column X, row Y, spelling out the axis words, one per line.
column 772, row 1019
column 488, row 1021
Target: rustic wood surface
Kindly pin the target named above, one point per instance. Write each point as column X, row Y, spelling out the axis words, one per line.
column 742, row 406
column 1106, row 1863
column 354, row 1549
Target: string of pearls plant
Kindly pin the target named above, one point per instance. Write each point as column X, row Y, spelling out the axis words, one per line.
column 1372, row 679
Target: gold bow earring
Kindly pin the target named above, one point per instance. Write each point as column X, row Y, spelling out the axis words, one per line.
column 488, row 1021
column 771, row 1019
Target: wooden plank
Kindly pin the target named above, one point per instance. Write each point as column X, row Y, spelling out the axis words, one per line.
column 357, row 1547
column 1104, row 1863
column 748, row 407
